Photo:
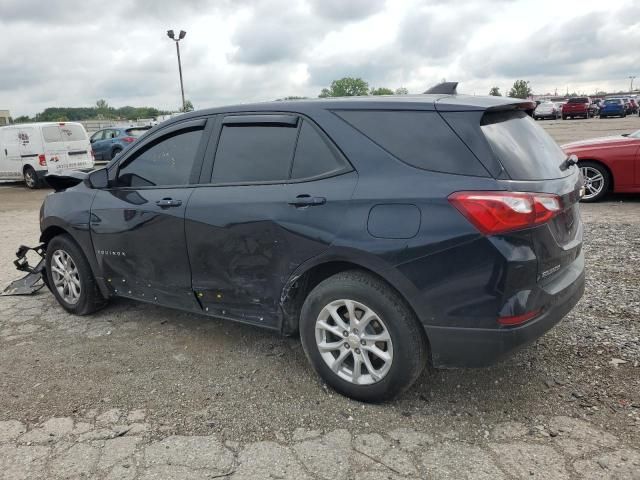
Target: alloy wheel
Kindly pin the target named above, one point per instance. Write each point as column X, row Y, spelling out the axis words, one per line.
column 354, row 342
column 593, row 182
column 29, row 178
column 66, row 277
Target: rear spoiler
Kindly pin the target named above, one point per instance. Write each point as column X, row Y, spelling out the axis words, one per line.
column 526, row 105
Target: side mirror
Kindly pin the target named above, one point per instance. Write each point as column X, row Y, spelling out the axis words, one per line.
column 625, row 134
column 99, row 178
column 91, row 140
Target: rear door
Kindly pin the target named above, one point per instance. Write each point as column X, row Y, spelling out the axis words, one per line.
column 98, row 144
column 137, row 225
column 252, row 225
column 66, row 147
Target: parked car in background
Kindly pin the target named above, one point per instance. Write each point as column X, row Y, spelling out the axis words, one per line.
column 109, row 142
column 579, row 107
column 30, row 151
column 388, row 231
column 633, row 105
column 608, row 164
column 545, row 110
column 613, row 107
column 627, row 105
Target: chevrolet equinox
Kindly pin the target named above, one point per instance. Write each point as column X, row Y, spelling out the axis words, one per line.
column 390, row 232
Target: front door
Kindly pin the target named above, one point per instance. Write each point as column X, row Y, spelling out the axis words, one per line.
column 253, row 224
column 137, row 225
column 98, row 145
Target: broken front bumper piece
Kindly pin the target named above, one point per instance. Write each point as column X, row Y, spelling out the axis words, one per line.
column 35, row 278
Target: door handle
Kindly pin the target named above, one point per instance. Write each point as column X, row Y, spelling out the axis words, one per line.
column 168, row 202
column 307, row 201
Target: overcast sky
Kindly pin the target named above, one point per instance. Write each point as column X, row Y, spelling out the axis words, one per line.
column 73, row 52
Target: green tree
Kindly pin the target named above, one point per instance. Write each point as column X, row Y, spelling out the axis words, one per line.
column 381, row 91
column 520, row 89
column 495, row 92
column 346, row 87
column 22, row 119
column 402, row 91
column 188, row 106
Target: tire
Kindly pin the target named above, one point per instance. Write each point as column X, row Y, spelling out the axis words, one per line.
column 602, row 116
column 406, row 347
column 564, row 117
column 30, row 177
column 89, row 298
column 594, row 191
column 115, row 152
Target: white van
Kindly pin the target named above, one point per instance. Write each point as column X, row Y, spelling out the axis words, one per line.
column 32, row 150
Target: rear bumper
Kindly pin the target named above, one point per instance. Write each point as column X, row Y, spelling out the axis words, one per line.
column 477, row 347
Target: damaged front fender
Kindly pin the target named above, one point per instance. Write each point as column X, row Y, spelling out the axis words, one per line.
column 35, row 278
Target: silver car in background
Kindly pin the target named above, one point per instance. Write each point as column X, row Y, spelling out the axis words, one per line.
column 548, row 110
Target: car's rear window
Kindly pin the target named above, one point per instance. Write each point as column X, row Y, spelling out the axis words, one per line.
column 136, row 132
column 525, row 150
column 63, row 133
column 613, row 100
column 420, row 139
column 579, row 100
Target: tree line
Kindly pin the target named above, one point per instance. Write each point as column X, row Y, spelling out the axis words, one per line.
column 101, row 111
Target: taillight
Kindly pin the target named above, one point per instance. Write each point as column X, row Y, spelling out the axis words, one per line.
column 42, row 160
column 499, row 212
column 518, row 319
column 129, row 139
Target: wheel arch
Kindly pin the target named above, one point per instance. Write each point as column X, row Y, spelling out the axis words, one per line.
column 612, row 180
column 310, row 274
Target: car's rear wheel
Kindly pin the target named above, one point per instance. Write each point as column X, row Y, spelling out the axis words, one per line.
column 596, row 181
column 115, row 152
column 31, row 177
column 361, row 337
column 70, row 278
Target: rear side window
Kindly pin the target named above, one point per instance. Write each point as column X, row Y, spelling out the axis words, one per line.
column 166, row 162
column 313, row 156
column 525, row 150
column 63, row 133
column 254, row 153
column 421, row 139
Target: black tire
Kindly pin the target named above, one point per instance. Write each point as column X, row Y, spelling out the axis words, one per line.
column 606, row 180
column 564, row 117
column 90, row 298
column 602, row 116
column 115, row 152
column 407, row 335
column 30, row 177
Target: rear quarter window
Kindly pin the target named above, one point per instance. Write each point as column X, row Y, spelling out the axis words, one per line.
column 525, row 150
column 420, row 139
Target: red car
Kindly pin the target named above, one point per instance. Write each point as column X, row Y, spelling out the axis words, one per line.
column 578, row 107
column 608, row 164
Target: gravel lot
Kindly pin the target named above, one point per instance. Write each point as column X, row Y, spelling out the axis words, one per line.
column 138, row 391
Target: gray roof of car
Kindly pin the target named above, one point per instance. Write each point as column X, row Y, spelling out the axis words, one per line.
column 370, row 102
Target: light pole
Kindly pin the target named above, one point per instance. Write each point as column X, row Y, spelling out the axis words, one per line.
column 631, row 86
column 172, row 36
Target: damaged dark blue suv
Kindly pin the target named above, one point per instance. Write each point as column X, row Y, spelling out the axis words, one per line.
column 388, row 231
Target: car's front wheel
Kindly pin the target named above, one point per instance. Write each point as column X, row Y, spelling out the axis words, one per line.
column 596, row 181
column 115, row 152
column 361, row 337
column 70, row 278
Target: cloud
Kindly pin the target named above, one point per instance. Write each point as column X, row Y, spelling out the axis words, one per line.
column 73, row 52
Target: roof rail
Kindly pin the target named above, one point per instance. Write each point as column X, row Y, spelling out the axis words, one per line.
column 445, row 88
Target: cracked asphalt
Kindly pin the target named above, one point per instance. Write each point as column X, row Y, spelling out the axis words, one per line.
column 142, row 392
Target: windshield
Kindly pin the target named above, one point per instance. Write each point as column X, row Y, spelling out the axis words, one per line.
column 63, row 133
column 525, row 150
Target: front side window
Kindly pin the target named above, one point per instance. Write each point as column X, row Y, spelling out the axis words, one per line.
column 168, row 161
column 98, row 136
column 254, row 153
